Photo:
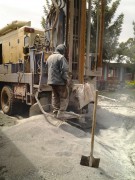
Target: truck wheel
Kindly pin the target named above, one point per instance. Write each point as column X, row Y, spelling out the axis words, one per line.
column 7, row 100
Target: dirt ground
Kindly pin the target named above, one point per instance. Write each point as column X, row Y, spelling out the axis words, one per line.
column 32, row 149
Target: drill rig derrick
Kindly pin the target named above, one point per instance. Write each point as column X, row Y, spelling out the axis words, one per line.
column 67, row 23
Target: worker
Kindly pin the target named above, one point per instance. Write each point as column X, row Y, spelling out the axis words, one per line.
column 57, row 66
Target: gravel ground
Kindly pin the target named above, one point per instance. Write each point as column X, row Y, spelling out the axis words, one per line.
column 33, row 149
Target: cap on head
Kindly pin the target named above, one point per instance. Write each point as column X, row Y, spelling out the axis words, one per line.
column 61, row 48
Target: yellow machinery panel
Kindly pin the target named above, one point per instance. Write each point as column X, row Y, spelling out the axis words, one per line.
column 12, row 42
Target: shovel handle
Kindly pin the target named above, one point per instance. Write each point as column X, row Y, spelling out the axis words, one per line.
column 93, row 123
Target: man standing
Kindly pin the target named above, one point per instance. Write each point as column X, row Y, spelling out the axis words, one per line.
column 57, row 78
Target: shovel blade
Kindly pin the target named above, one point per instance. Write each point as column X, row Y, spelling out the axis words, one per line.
column 84, row 160
column 94, row 162
column 90, row 161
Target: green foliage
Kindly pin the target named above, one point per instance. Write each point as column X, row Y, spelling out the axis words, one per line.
column 46, row 10
column 112, row 28
column 43, row 22
column 134, row 28
column 127, row 49
column 130, row 84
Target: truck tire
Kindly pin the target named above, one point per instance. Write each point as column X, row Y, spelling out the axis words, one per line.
column 7, row 100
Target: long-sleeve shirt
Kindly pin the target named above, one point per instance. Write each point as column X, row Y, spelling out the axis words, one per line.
column 57, row 66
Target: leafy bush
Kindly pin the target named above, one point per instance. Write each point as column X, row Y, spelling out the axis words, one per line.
column 130, row 84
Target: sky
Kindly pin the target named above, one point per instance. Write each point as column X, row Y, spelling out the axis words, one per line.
column 127, row 7
column 32, row 10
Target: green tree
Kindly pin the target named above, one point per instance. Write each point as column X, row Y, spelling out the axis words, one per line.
column 112, row 28
column 134, row 29
column 46, row 10
column 127, row 49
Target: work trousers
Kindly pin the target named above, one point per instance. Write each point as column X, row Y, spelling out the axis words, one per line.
column 60, row 97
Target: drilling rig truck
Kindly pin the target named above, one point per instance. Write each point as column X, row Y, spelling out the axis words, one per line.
column 24, row 50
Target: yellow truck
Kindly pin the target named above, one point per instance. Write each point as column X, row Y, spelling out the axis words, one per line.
column 20, row 57
column 13, row 38
column 24, row 50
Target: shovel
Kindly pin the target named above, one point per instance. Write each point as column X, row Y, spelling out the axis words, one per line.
column 90, row 160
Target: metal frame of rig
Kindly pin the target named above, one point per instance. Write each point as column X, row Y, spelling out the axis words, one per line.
column 24, row 50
